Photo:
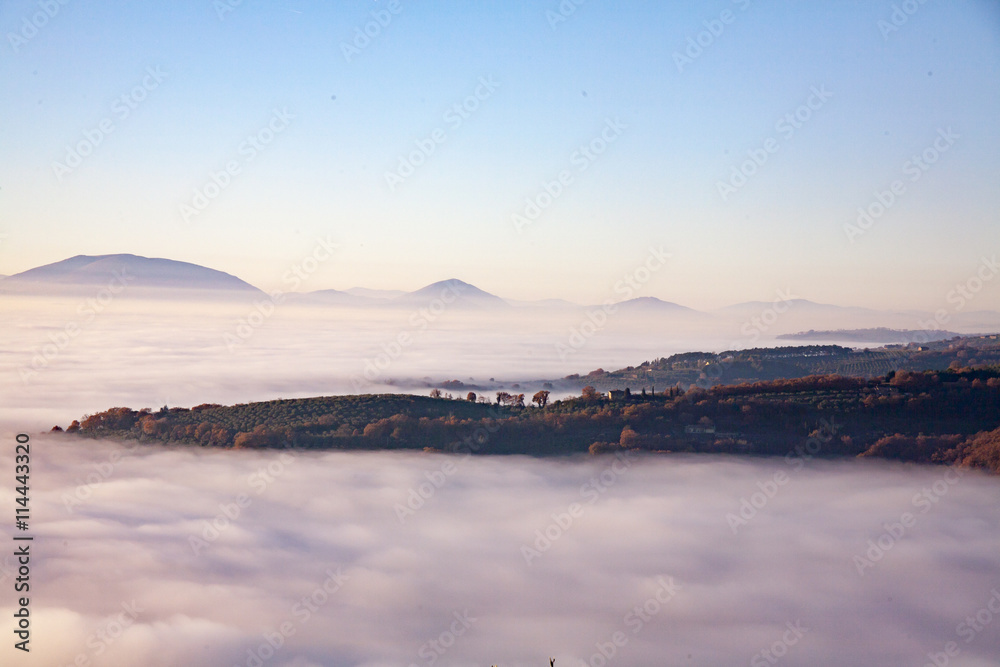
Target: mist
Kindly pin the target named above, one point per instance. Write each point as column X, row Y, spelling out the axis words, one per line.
column 162, row 556
column 64, row 357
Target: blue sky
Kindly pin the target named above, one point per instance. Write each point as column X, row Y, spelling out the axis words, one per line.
column 554, row 87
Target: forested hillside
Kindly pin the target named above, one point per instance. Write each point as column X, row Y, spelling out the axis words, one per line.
column 706, row 369
column 931, row 417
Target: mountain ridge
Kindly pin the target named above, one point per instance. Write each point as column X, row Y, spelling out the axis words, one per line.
column 132, row 271
column 152, row 274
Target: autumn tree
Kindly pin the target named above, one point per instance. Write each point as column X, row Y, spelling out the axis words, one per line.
column 628, row 438
column 981, row 451
column 541, row 398
column 471, row 397
column 599, row 448
column 590, row 394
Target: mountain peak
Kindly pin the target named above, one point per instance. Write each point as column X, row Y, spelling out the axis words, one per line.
column 132, row 271
column 453, row 290
column 653, row 303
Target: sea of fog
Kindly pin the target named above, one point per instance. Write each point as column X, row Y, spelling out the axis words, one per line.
column 62, row 358
column 156, row 556
column 147, row 555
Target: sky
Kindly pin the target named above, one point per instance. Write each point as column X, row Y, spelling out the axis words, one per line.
column 741, row 138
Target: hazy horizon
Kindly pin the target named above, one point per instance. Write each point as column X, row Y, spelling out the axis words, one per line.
column 53, row 280
column 67, row 356
column 550, row 145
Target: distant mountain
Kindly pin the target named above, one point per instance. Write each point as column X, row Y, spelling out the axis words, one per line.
column 875, row 335
column 165, row 278
column 804, row 307
column 133, row 271
column 976, row 320
column 375, row 293
column 796, row 305
column 650, row 304
column 464, row 295
column 798, row 316
column 333, row 297
column 562, row 304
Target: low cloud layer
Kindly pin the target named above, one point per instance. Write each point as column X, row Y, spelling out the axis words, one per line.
column 156, row 556
column 63, row 357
